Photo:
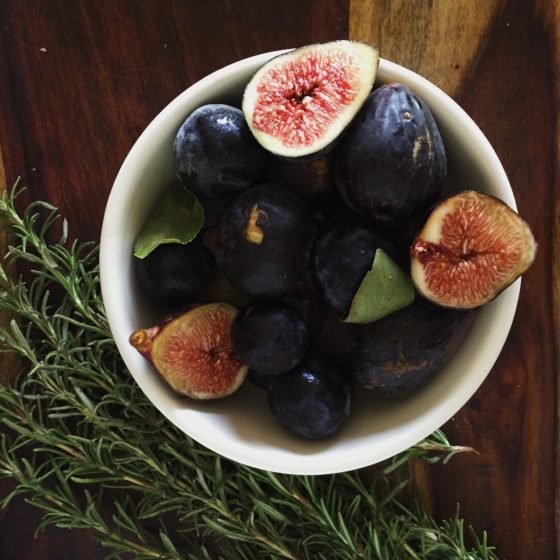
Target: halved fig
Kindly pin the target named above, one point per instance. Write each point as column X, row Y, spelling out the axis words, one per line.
column 299, row 102
column 193, row 352
column 471, row 248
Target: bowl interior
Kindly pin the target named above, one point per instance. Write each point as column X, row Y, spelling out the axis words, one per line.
column 240, row 427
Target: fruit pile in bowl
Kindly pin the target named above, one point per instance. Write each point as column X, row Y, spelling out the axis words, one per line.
column 301, row 258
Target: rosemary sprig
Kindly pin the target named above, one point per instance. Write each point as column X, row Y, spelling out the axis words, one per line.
column 86, row 447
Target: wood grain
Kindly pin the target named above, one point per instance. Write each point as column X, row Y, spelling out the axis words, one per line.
column 441, row 39
column 548, row 12
column 9, row 362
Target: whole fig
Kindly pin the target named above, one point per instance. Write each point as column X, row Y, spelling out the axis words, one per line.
column 392, row 163
column 398, row 353
column 263, row 241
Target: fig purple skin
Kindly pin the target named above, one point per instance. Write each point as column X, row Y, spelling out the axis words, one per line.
column 398, row 353
column 392, row 163
column 270, row 337
column 174, row 273
column 313, row 400
column 309, row 179
column 215, row 153
column 341, row 258
column 263, row 241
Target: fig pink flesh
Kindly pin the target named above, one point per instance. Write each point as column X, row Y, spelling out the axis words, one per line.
column 300, row 100
column 471, row 248
column 195, row 355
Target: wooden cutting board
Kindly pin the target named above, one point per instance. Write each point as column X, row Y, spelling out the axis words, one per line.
column 80, row 80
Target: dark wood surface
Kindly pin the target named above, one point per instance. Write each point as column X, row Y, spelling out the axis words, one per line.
column 79, row 81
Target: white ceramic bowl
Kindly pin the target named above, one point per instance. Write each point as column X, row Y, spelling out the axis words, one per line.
column 241, row 427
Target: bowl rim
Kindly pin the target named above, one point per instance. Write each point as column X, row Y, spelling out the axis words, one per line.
column 428, row 422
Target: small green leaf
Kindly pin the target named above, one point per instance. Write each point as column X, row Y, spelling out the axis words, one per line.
column 384, row 289
column 177, row 218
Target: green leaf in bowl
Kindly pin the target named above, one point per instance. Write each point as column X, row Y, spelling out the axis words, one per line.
column 385, row 288
column 177, row 218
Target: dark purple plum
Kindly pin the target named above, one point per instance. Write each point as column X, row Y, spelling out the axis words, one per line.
column 392, row 163
column 313, row 400
column 341, row 258
column 263, row 241
column 173, row 273
column 215, row 153
column 270, row 337
column 398, row 353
